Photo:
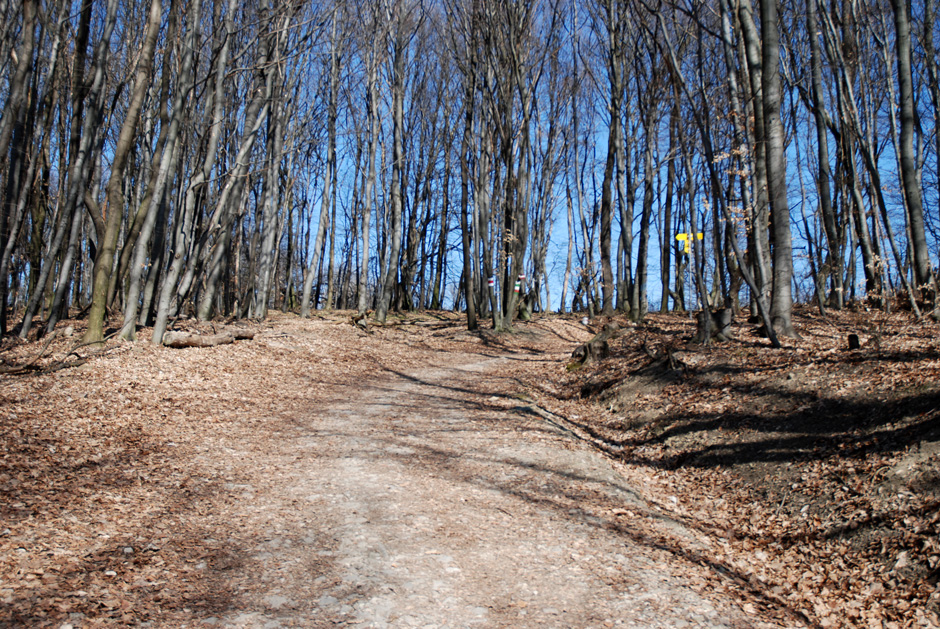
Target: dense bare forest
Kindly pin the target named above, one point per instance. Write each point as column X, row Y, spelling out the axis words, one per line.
column 212, row 157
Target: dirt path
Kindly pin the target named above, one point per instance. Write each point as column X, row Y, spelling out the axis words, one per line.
column 417, row 500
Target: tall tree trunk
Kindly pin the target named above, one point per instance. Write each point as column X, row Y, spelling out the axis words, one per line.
column 11, row 225
column 369, row 192
column 758, row 234
column 270, row 235
column 923, row 275
column 19, row 83
column 330, row 301
column 81, row 143
column 440, row 269
column 329, row 175
column 933, row 72
column 13, row 117
column 115, row 190
column 836, row 293
column 160, row 153
column 680, row 82
column 667, row 241
column 639, row 300
column 742, row 148
column 772, row 92
column 466, row 219
column 167, row 164
column 614, row 59
column 186, row 213
column 397, row 180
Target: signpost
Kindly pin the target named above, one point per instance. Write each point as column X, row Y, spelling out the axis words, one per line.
column 686, row 237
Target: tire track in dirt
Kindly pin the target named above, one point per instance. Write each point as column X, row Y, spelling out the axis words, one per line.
column 428, row 503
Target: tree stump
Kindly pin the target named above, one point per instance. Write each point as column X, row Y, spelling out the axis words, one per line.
column 598, row 348
column 361, row 321
column 718, row 326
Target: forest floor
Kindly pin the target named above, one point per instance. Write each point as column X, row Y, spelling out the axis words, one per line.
column 419, row 475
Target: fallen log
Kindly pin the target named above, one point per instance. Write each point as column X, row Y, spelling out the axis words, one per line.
column 186, row 339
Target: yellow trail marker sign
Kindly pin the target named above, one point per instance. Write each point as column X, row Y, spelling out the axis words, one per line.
column 687, row 238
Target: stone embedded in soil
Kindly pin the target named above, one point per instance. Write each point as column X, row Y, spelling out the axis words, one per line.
column 276, row 601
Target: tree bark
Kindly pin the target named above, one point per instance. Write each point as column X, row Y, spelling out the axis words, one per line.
column 758, row 233
column 614, row 59
column 369, row 192
column 836, row 293
column 466, row 222
column 186, row 339
column 169, row 157
column 231, row 197
column 83, row 142
column 399, row 44
column 313, row 270
column 923, row 275
column 772, row 94
column 271, row 201
column 115, row 189
column 19, row 82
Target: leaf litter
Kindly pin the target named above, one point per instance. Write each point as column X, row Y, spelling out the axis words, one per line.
column 804, row 480
column 813, row 471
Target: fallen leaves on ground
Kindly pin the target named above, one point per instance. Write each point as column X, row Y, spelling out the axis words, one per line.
column 809, row 476
column 813, row 471
column 116, row 490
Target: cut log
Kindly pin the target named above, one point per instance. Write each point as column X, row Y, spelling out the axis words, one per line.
column 185, row 339
column 598, row 348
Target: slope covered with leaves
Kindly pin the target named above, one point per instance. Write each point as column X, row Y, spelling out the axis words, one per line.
column 813, row 469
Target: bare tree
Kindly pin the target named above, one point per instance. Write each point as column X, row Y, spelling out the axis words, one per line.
column 372, row 116
column 169, row 155
column 612, row 18
column 923, row 274
column 404, row 20
column 115, row 201
column 772, row 96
